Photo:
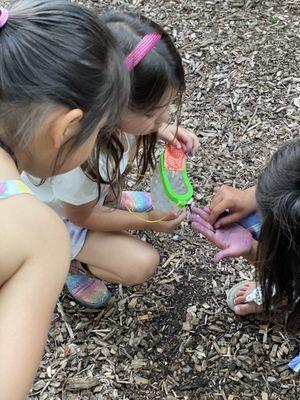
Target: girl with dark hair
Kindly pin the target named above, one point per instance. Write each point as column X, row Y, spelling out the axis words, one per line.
column 97, row 230
column 276, row 254
column 61, row 80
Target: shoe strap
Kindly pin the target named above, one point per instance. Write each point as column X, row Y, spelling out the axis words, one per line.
column 255, row 296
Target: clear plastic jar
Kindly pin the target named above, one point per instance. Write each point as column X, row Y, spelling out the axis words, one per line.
column 160, row 201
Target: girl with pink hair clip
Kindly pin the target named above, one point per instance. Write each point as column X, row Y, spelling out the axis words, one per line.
column 90, row 199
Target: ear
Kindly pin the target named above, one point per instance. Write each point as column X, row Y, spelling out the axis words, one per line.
column 67, row 125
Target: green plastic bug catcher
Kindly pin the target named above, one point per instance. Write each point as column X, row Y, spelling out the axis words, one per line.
column 171, row 189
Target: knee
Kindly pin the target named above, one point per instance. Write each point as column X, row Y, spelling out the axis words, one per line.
column 146, row 263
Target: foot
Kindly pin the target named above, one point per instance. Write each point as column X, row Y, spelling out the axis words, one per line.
column 87, row 291
column 242, row 307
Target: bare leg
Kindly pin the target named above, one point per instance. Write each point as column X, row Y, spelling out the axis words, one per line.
column 119, row 257
column 28, row 295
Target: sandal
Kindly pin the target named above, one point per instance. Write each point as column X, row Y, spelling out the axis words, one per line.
column 254, row 296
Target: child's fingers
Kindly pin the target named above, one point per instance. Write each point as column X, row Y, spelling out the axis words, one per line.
column 228, row 219
column 201, row 221
column 172, row 139
column 186, row 136
column 175, row 142
column 218, row 197
column 204, row 231
column 173, row 223
column 206, row 214
column 202, row 212
column 190, row 144
column 196, row 210
column 222, row 254
column 169, row 136
column 195, row 146
column 180, row 218
column 187, row 144
column 217, row 211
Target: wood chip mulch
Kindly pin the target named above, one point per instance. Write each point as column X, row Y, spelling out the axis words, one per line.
column 174, row 337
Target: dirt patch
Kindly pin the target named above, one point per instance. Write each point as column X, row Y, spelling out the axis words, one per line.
column 174, row 338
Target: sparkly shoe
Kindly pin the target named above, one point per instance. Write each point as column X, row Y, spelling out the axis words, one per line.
column 135, row 201
column 87, row 291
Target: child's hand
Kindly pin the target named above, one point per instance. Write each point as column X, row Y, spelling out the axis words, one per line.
column 240, row 203
column 233, row 240
column 163, row 221
column 179, row 137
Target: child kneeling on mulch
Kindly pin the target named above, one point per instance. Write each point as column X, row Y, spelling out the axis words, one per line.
column 276, row 255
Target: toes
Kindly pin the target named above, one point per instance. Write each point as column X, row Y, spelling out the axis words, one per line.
column 241, row 306
column 240, row 299
column 245, row 309
column 245, row 290
column 241, row 291
column 247, row 286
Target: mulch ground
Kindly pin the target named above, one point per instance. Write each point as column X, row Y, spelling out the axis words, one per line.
column 174, row 337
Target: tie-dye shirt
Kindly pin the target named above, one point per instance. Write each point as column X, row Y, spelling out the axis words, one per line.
column 13, row 187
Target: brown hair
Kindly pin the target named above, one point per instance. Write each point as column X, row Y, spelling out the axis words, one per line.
column 278, row 257
column 159, row 71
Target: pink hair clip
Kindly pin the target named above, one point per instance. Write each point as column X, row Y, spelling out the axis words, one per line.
column 3, row 17
column 141, row 50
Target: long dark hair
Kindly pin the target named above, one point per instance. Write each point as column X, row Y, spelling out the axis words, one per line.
column 278, row 257
column 158, row 72
column 53, row 53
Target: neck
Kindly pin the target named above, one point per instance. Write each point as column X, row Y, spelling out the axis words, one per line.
column 8, row 167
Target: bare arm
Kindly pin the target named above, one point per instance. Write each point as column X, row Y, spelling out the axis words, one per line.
column 104, row 219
